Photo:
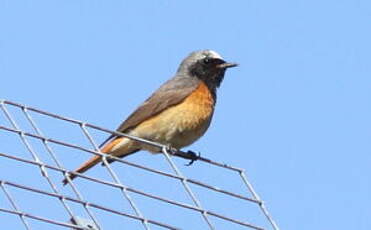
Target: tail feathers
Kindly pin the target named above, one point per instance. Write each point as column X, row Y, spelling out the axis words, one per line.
column 111, row 147
column 84, row 167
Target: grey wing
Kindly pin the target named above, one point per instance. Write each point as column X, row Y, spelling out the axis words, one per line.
column 170, row 93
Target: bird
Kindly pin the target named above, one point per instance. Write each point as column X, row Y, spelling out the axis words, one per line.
column 177, row 114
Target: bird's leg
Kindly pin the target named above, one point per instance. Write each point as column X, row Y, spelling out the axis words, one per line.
column 190, row 155
column 171, row 150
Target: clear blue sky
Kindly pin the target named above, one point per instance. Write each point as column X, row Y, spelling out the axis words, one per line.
column 295, row 114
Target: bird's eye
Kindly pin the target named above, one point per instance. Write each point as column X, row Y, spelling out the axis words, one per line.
column 207, row 60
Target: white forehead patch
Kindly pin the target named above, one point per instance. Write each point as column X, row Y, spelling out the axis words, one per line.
column 213, row 54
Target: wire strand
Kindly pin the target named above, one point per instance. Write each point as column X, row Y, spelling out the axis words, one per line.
column 126, row 190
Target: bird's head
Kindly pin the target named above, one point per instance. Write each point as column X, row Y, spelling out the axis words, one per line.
column 207, row 65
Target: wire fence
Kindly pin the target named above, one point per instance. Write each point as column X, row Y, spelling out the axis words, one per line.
column 163, row 197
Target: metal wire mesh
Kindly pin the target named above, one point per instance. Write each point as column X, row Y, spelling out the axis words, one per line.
column 107, row 201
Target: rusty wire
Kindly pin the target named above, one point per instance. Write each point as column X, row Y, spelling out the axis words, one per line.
column 117, row 183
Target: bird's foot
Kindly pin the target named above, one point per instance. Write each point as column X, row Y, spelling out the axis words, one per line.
column 190, row 155
column 193, row 157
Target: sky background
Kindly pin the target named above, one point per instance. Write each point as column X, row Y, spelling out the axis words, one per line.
column 295, row 114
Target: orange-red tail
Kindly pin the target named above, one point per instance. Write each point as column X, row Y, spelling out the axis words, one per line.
column 94, row 160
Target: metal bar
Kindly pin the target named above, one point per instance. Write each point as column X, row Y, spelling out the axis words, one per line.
column 178, row 175
column 116, row 179
column 34, row 156
column 53, row 156
column 15, row 206
column 183, row 205
column 261, row 205
column 187, row 188
column 85, row 203
column 155, row 144
column 131, row 164
column 72, row 226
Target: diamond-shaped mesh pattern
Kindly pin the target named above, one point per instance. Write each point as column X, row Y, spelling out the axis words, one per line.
column 39, row 149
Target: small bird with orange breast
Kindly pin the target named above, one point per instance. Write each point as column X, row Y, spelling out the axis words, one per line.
column 177, row 114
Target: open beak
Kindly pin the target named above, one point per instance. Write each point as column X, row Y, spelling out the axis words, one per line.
column 227, row 65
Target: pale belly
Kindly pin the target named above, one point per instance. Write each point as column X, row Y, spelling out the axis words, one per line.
column 178, row 128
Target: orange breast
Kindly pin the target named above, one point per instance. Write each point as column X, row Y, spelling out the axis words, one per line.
column 197, row 107
column 182, row 124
